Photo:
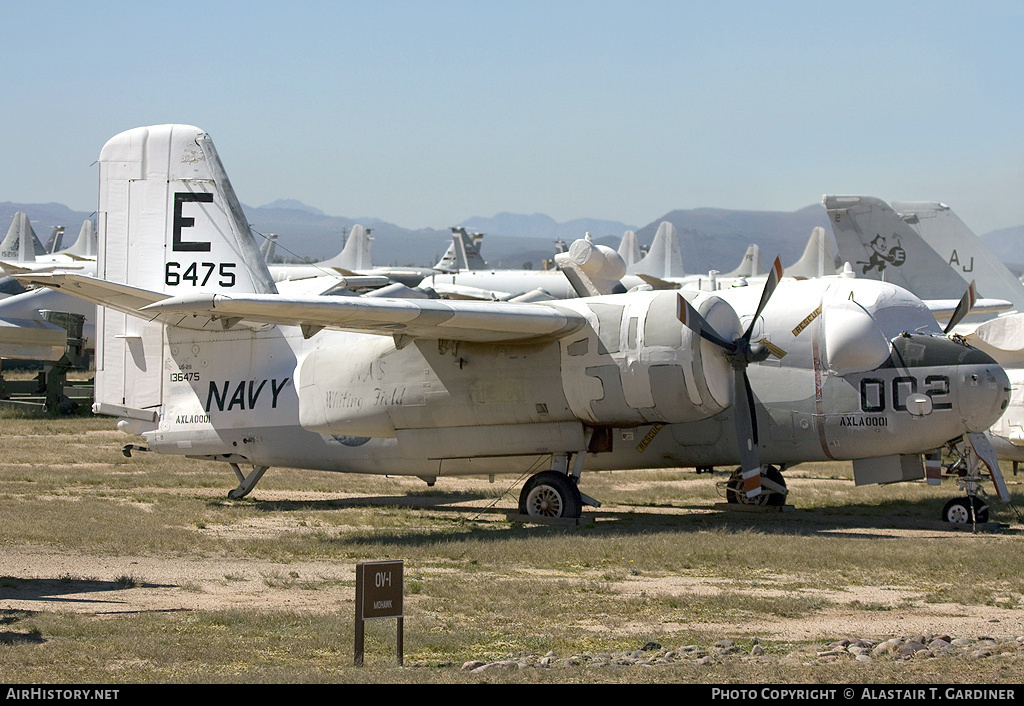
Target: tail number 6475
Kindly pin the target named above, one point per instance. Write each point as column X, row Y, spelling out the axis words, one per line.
column 199, row 274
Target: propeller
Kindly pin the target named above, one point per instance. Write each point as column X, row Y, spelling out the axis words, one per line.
column 741, row 352
column 967, row 301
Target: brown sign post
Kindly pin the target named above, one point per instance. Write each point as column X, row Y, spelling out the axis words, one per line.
column 378, row 595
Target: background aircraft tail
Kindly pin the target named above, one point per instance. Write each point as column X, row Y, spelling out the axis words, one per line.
column 751, row 265
column 962, row 249
column 269, row 248
column 56, row 240
column 629, row 249
column 21, row 244
column 463, row 253
column 664, row 259
column 880, row 245
column 819, row 258
column 86, row 245
column 168, row 222
column 355, row 256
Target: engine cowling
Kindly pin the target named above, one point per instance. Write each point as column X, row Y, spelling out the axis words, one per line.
column 638, row 364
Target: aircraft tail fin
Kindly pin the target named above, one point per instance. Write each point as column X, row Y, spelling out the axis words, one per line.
column 86, row 246
column 880, row 245
column 169, row 220
column 751, row 265
column 355, row 255
column 269, row 248
column 56, row 240
column 463, row 253
column 819, row 258
column 629, row 249
column 664, row 259
column 21, row 243
column 957, row 244
column 168, row 224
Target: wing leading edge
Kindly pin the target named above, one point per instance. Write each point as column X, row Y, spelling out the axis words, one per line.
column 413, row 318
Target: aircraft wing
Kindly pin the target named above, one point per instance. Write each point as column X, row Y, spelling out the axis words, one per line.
column 413, row 318
column 29, row 339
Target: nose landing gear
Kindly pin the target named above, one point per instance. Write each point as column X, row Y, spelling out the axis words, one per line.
column 974, row 457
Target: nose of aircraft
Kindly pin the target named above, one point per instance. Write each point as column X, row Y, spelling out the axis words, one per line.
column 981, row 386
column 985, row 393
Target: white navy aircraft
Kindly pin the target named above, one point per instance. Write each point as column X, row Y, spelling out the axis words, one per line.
column 928, row 250
column 201, row 355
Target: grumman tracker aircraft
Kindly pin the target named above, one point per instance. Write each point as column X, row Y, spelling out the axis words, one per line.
column 201, row 355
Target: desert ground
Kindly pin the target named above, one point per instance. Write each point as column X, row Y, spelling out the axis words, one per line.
column 93, row 538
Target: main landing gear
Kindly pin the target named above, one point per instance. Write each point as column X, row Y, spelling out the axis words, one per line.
column 551, row 494
column 246, row 482
column 555, row 493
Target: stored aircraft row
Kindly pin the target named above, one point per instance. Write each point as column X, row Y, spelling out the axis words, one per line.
column 202, row 353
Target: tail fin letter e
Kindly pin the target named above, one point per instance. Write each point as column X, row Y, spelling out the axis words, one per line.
column 181, row 221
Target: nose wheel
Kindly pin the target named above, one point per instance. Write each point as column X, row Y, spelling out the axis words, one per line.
column 965, row 511
column 773, row 488
column 974, row 458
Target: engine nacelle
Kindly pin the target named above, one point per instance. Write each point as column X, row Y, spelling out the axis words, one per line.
column 638, row 364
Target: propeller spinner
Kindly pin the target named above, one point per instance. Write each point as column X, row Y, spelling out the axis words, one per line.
column 741, row 353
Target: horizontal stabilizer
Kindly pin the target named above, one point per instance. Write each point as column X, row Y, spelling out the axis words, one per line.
column 942, row 309
column 121, row 297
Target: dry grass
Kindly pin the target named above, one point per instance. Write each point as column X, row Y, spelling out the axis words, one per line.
column 274, row 604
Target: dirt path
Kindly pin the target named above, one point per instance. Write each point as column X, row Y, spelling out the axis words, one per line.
column 47, row 579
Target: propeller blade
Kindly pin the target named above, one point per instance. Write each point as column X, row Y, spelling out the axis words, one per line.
column 774, row 276
column 967, row 302
column 699, row 325
column 746, row 435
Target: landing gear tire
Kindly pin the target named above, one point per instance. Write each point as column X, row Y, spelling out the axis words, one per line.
column 965, row 511
column 734, row 489
column 551, row 494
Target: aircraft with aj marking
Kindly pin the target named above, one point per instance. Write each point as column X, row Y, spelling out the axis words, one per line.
column 201, row 355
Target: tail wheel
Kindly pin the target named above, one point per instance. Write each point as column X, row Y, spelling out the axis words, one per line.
column 965, row 511
column 734, row 489
column 551, row 494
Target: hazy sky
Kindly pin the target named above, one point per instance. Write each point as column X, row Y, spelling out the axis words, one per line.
column 427, row 112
